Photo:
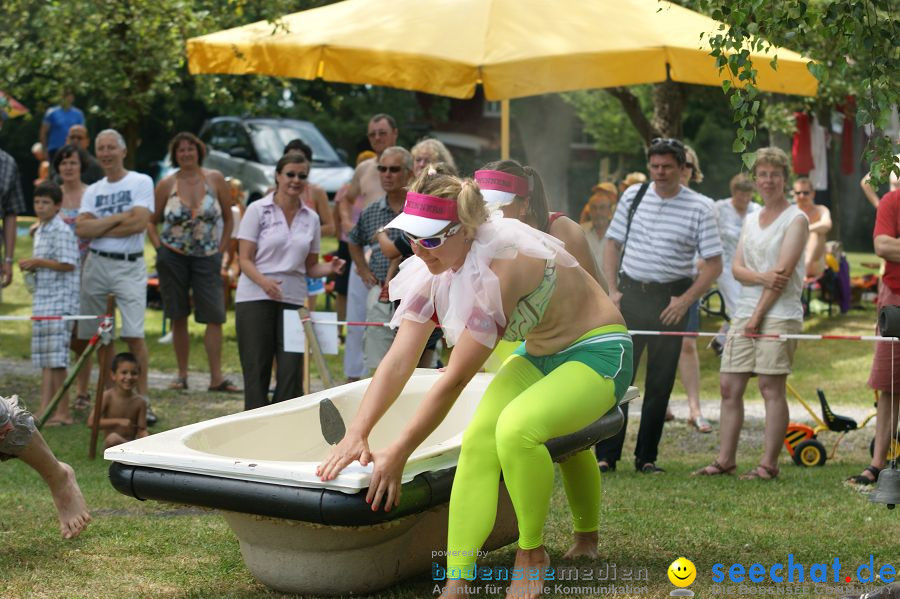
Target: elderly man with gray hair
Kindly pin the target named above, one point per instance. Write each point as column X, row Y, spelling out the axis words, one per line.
column 20, row 439
column 114, row 215
column 395, row 167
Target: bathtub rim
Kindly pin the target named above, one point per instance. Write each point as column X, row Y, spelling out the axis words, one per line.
column 317, row 505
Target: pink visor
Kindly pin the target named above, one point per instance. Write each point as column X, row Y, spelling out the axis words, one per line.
column 425, row 215
column 499, row 188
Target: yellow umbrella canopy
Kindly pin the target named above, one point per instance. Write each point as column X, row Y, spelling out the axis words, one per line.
column 514, row 48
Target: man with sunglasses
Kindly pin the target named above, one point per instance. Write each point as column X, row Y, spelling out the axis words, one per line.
column 394, row 168
column 382, row 133
column 819, row 225
column 649, row 262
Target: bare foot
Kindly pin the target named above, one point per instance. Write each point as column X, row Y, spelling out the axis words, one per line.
column 585, row 545
column 70, row 506
column 532, row 565
column 456, row 587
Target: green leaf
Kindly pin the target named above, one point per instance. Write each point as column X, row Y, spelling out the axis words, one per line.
column 738, row 146
column 748, row 158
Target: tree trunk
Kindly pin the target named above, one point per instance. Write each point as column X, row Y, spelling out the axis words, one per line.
column 545, row 125
column 131, row 133
column 632, row 107
column 668, row 108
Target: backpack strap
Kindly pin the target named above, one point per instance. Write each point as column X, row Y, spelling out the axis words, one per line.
column 631, row 210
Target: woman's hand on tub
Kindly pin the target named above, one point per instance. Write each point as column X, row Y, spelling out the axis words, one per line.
column 343, row 454
column 386, row 478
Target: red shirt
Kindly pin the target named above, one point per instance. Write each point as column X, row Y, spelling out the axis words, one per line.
column 887, row 222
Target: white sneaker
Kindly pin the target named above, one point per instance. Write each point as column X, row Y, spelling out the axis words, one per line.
column 165, row 339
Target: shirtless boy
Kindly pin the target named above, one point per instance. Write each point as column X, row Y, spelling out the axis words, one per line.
column 124, row 414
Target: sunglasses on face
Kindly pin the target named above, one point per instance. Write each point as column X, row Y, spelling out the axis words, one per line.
column 292, row 175
column 393, row 169
column 802, row 193
column 430, row 243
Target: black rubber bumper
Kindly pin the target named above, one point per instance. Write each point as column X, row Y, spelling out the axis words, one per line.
column 321, row 506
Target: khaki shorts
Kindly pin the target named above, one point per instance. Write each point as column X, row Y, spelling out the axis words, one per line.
column 377, row 340
column 127, row 280
column 760, row 356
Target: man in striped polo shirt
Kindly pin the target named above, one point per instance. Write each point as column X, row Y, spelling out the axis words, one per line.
column 650, row 269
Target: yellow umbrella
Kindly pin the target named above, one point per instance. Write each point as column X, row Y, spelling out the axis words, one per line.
column 514, row 48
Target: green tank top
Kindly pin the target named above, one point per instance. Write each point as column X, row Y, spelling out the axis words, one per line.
column 530, row 309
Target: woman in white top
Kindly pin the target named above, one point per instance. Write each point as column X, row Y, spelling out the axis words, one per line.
column 769, row 264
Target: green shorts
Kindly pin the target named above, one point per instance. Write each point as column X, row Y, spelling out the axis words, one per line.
column 607, row 350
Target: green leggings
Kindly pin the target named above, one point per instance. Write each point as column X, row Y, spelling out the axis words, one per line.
column 522, row 408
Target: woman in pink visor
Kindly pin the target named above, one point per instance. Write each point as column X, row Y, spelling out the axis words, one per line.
column 484, row 277
column 518, row 192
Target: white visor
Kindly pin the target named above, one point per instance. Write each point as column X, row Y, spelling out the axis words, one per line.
column 495, row 199
column 418, row 226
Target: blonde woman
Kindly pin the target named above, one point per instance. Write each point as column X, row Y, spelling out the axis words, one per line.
column 486, row 279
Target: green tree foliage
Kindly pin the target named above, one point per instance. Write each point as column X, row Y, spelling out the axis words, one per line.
column 125, row 60
column 606, row 121
column 854, row 46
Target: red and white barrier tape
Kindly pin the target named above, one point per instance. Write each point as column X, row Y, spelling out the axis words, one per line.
column 782, row 337
column 363, row 323
column 36, row 318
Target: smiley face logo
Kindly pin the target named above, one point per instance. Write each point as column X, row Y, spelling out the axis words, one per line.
column 682, row 572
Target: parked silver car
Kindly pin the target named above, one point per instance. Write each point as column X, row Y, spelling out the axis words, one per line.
column 249, row 148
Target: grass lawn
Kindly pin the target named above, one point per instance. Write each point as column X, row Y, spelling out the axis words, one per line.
column 152, row 549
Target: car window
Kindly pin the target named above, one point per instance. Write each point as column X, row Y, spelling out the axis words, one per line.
column 216, row 136
column 269, row 140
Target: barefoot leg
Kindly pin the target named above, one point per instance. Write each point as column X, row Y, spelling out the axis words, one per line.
column 585, row 545
column 532, row 565
column 60, row 478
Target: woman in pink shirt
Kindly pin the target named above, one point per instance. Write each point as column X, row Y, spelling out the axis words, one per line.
column 279, row 247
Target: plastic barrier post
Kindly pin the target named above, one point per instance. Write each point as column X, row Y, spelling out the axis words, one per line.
column 101, row 382
column 313, row 348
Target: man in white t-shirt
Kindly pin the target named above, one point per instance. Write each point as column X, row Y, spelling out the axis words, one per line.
column 114, row 215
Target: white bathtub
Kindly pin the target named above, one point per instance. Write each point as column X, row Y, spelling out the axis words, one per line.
column 296, row 533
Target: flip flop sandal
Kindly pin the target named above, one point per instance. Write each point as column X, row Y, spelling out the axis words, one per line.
column 717, row 470
column 82, row 403
column 755, row 475
column 861, row 479
column 225, row 386
column 700, row 424
column 178, row 384
column 648, row 468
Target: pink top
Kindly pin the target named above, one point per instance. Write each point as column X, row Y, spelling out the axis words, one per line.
column 280, row 251
column 469, row 298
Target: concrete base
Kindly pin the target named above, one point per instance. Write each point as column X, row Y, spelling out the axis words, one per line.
column 299, row 557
